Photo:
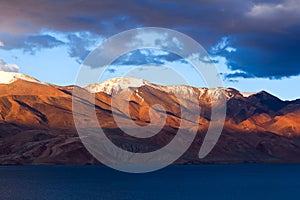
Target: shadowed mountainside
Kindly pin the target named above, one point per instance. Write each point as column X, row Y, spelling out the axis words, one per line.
column 37, row 126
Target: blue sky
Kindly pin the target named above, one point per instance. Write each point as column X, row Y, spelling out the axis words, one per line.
column 255, row 44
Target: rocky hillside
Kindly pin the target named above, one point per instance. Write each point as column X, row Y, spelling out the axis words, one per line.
column 37, row 125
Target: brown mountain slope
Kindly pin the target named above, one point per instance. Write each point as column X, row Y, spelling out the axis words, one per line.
column 37, row 127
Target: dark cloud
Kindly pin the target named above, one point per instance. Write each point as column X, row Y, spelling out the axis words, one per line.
column 37, row 42
column 264, row 33
column 112, row 71
column 31, row 43
column 264, row 55
column 146, row 56
column 80, row 44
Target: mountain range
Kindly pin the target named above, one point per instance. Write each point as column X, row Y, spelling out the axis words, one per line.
column 37, row 122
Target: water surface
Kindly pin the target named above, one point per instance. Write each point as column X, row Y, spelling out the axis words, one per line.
column 173, row 182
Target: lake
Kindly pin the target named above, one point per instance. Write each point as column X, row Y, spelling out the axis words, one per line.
column 174, row 182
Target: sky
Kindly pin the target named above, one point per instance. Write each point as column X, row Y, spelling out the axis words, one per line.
column 255, row 45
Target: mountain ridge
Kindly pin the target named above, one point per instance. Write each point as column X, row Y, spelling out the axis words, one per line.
column 37, row 125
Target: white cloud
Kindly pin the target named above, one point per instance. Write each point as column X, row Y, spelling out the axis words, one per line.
column 265, row 9
column 223, row 44
column 1, row 44
column 157, row 39
column 230, row 49
column 8, row 67
column 288, row 8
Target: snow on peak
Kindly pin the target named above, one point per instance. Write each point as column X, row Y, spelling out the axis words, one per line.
column 215, row 93
column 219, row 93
column 184, row 90
column 228, row 93
column 116, row 84
column 10, row 77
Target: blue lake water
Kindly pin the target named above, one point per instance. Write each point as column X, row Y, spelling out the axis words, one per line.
column 174, row 182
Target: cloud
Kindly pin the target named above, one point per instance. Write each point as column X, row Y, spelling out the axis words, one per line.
column 223, row 45
column 238, row 75
column 155, row 39
column 1, row 44
column 81, row 43
column 272, row 11
column 8, row 67
column 264, row 57
column 146, row 56
column 30, row 43
column 264, row 34
column 38, row 42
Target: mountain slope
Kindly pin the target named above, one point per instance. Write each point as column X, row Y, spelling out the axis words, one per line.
column 37, row 126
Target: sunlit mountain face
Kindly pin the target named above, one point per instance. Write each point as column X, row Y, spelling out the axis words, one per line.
column 37, row 125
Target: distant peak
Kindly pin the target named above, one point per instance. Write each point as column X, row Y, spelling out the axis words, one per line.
column 132, row 81
column 265, row 94
column 247, row 94
column 116, row 84
column 10, row 77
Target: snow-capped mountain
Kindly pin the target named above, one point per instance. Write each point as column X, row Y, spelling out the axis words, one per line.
column 116, row 85
column 37, row 121
column 10, row 77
